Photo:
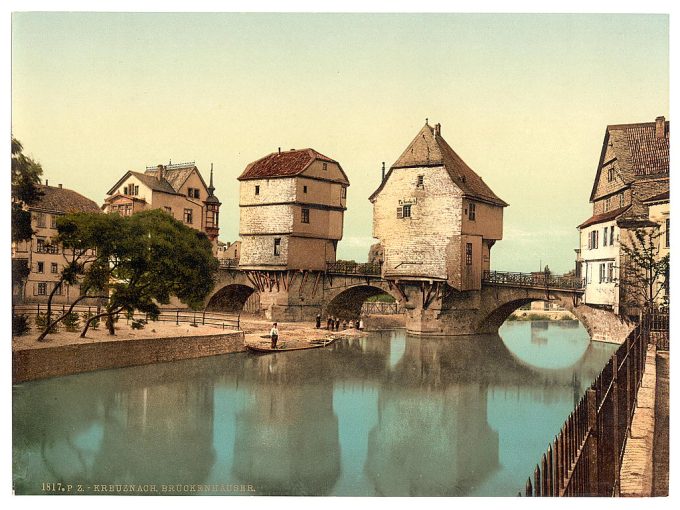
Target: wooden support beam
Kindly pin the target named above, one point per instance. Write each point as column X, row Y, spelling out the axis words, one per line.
column 316, row 283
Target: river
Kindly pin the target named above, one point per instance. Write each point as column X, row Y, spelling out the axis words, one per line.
column 388, row 414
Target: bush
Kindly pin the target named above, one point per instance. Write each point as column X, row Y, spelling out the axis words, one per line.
column 19, row 325
column 71, row 321
column 138, row 323
column 41, row 322
column 95, row 322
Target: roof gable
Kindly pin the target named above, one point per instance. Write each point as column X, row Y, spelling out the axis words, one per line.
column 286, row 164
column 176, row 175
column 429, row 149
column 641, row 150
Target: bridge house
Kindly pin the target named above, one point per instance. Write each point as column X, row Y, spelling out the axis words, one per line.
column 292, row 206
column 630, row 190
column 178, row 189
column 436, row 219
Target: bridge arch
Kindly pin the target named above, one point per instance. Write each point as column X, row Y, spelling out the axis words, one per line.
column 499, row 315
column 347, row 303
column 230, row 298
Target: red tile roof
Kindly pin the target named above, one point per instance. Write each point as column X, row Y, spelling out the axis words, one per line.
column 600, row 218
column 285, row 164
column 64, row 200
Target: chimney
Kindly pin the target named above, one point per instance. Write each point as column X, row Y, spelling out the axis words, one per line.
column 160, row 173
column 59, row 185
column 279, row 151
column 383, row 171
column 661, row 127
column 437, row 130
column 47, row 183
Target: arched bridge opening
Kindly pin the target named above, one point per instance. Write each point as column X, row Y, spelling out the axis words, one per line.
column 348, row 303
column 230, row 298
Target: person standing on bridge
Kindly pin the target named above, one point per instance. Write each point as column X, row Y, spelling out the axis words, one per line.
column 274, row 334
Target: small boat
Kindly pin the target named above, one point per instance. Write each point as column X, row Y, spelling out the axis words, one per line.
column 312, row 345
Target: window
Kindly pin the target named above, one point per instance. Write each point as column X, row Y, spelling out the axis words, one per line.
column 610, row 272
column 304, row 189
column 197, row 193
column 40, row 246
column 40, row 267
column 305, row 215
column 54, row 268
column 188, row 216
column 257, row 190
column 611, row 236
column 468, row 254
column 421, row 181
column 53, row 221
column 325, row 166
column 168, row 210
column 277, row 246
column 406, row 213
column 42, row 289
column 471, row 211
column 131, row 189
column 125, row 190
column 128, row 210
column 217, row 219
column 621, row 200
column 593, row 239
column 610, row 174
column 607, row 204
column 40, row 218
column 605, row 237
column 602, row 273
column 668, row 232
column 343, row 192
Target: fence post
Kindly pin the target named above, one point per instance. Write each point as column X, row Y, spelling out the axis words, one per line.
column 527, row 488
column 177, row 319
column 591, row 400
column 615, row 421
column 537, row 480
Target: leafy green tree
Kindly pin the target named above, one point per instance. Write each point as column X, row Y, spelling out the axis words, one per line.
column 25, row 192
column 643, row 274
column 136, row 262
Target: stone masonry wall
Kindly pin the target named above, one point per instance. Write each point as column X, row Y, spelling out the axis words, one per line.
column 417, row 246
column 259, row 251
column 31, row 364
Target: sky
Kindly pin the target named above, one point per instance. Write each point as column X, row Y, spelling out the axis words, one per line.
column 524, row 99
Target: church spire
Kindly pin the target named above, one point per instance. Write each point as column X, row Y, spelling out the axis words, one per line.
column 211, row 188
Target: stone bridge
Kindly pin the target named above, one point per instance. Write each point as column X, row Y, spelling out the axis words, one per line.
column 431, row 307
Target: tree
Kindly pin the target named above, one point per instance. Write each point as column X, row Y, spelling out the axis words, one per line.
column 644, row 273
column 25, row 192
column 135, row 263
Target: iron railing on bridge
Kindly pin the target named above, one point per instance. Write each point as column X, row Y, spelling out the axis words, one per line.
column 176, row 315
column 358, row 268
column 380, row 308
column 541, row 280
column 228, row 263
column 585, row 457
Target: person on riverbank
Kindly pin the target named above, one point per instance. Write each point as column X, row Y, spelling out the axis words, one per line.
column 344, row 324
column 318, row 321
column 337, row 324
column 329, row 323
column 361, row 324
column 274, row 334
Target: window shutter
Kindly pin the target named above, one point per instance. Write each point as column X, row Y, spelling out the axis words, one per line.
column 400, row 212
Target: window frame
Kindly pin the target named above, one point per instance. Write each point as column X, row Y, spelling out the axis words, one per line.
column 468, row 254
column 472, row 211
column 41, row 289
column 304, row 215
column 40, row 267
column 188, row 216
column 406, row 211
column 54, row 268
column 277, row 246
column 257, row 189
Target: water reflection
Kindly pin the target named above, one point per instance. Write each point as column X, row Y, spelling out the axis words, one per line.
column 384, row 415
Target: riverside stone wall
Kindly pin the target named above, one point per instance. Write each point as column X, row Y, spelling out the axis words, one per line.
column 44, row 362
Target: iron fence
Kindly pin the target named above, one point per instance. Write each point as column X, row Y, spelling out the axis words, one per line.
column 380, row 308
column 657, row 326
column 539, row 280
column 176, row 315
column 585, row 457
column 360, row 268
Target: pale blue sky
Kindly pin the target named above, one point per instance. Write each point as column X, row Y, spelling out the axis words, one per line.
column 523, row 99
